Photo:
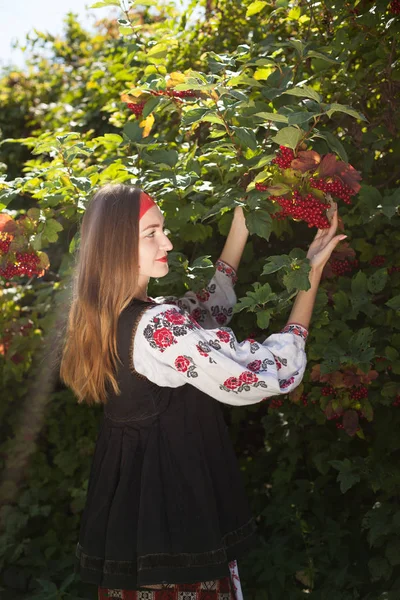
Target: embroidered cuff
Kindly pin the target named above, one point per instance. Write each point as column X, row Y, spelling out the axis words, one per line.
column 223, row 267
column 297, row 329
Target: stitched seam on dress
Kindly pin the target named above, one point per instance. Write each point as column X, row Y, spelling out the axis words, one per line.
column 124, row 567
column 131, row 345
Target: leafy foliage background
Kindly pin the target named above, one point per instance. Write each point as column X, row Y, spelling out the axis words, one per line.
column 328, row 75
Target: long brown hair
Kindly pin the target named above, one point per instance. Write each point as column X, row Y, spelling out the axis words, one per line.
column 104, row 281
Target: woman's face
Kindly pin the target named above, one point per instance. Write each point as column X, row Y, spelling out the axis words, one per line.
column 153, row 244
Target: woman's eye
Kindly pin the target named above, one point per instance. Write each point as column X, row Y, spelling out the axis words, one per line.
column 166, row 231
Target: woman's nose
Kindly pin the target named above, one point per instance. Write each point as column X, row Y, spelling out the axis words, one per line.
column 168, row 244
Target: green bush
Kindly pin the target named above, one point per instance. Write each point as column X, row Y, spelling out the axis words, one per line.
column 320, row 464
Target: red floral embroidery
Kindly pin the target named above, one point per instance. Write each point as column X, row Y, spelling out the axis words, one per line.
column 163, row 338
column 201, row 351
column 232, row 383
column 220, row 318
column 296, row 329
column 223, row 336
column 223, row 267
column 196, row 315
column 203, row 295
column 247, row 377
column 286, row 382
column 182, row 363
column 255, row 365
column 278, row 364
column 173, row 316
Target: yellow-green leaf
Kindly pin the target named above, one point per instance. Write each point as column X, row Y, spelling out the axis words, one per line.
column 255, row 7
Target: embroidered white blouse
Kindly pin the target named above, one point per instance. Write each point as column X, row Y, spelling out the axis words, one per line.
column 184, row 340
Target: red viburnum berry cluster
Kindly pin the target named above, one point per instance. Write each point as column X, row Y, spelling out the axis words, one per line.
column 26, row 263
column 359, row 393
column 5, row 241
column 394, row 7
column 307, row 208
column 377, row 261
column 136, row 108
column 341, row 267
column 276, row 403
column 336, row 188
column 397, row 401
column 325, row 173
column 393, row 270
column 284, row 157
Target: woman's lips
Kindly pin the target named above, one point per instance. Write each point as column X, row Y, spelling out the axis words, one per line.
column 163, row 259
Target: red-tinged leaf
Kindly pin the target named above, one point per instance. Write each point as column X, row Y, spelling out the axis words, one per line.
column 350, row 422
column 330, row 411
column 279, row 189
column 327, row 168
column 349, row 175
column 315, row 373
column 7, row 224
column 306, row 160
column 351, row 379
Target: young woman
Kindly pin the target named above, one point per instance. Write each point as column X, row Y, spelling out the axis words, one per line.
column 166, row 515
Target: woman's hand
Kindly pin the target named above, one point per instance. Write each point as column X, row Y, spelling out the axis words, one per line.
column 325, row 241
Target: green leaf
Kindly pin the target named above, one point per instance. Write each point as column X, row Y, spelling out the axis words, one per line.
column 377, row 281
column 391, row 203
column 394, row 303
column 150, row 105
column 348, row 474
column 113, row 137
column 50, row 231
column 300, row 117
column 246, row 137
column 332, row 108
column 166, row 157
column 213, row 117
column 263, row 319
column 265, row 160
column 255, row 7
column 158, row 50
column 194, row 116
column 296, row 280
column 260, row 223
column 304, row 92
column 274, row 117
column 334, row 144
column 275, row 263
column 103, row 3
column 288, row 136
column 322, row 56
column 133, row 131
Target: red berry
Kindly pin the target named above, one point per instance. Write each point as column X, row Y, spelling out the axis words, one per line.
column 5, row 241
column 306, row 208
column 341, row 267
column 377, row 261
column 359, row 392
column 284, row 157
column 136, row 108
column 328, row 390
column 394, row 7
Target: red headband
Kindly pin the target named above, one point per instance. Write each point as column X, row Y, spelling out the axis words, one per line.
column 145, row 203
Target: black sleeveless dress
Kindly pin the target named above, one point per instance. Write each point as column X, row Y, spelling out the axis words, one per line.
column 165, row 500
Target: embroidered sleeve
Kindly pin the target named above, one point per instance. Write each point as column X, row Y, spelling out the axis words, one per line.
column 172, row 349
column 213, row 305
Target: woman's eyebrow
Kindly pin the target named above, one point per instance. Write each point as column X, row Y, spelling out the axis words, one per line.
column 155, row 225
